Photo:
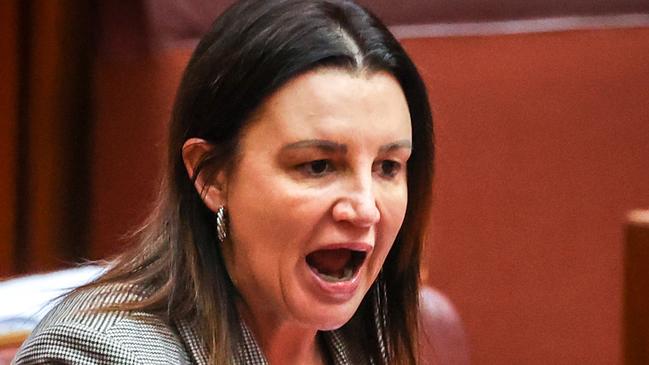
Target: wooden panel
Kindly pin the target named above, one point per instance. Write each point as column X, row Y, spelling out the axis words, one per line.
column 437, row 11
column 134, row 97
column 636, row 289
column 44, row 130
column 8, row 126
column 179, row 21
column 53, row 214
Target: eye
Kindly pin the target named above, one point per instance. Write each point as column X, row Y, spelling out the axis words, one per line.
column 389, row 168
column 317, row 168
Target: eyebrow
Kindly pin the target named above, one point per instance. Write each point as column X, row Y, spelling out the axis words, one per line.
column 330, row 146
column 320, row 144
column 396, row 145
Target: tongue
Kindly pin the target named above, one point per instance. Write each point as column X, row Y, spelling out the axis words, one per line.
column 330, row 262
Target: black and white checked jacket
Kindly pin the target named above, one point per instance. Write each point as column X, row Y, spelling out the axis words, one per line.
column 74, row 334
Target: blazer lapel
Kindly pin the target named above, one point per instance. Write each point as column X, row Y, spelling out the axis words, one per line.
column 193, row 343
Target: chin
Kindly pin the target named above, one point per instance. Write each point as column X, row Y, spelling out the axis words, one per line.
column 333, row 323
column 328, row 317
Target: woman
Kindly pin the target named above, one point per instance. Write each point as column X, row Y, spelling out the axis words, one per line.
column 290, row 220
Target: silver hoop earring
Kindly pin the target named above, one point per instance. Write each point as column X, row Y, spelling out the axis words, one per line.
column 221, row 224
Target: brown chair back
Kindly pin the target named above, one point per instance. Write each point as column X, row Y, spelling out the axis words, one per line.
column 442, row 340
column 636, row 289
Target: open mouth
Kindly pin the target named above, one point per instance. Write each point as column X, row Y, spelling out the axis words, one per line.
column 336, row 265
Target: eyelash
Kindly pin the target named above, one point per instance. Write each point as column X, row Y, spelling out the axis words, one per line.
column 308, row 168
column 324, row 167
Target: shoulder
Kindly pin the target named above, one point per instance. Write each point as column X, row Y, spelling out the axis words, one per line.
column 75, row 331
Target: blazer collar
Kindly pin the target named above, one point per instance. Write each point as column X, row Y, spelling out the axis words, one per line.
column 248, row 351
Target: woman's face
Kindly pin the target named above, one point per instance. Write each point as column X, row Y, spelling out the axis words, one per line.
column 317, row 197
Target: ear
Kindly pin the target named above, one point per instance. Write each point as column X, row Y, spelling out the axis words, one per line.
column 212, row 192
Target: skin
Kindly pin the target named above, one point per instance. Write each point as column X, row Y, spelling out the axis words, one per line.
column 323, row 162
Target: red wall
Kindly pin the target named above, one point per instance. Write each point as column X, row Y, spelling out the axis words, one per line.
column 542, row 147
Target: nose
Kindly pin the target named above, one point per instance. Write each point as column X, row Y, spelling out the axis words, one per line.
column 358, row 205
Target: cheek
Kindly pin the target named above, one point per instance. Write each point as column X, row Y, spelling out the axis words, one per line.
column 274, row 216
column 272, row 224
column 394, row 205
column 393, row 209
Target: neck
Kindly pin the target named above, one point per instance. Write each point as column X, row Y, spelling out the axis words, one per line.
column 288, row 346
column 283, row 342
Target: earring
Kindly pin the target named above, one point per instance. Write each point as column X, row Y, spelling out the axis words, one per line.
column 221, row 224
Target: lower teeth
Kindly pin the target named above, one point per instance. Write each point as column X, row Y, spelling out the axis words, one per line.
column 347, row 274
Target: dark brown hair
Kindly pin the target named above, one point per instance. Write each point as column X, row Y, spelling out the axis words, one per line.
column 254, row 48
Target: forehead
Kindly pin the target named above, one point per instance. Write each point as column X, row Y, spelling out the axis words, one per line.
column 333, row 102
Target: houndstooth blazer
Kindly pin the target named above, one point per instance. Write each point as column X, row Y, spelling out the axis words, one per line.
column 74, row 334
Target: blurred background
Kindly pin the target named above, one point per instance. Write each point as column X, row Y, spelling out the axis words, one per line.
column 542, row 123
